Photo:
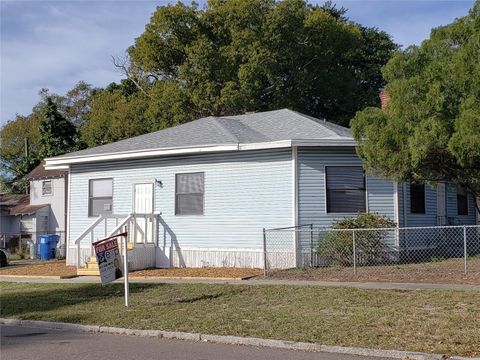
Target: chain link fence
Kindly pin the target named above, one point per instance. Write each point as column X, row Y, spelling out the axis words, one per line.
column 374, row 250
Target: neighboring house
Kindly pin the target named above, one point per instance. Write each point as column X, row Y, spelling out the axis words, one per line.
column 50, row 187
column 21, row 221
column 200, row 193
column 41, row 212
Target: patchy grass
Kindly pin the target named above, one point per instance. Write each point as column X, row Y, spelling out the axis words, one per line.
column 430, row 321
column 236, row 273
column 39, row 268
column 449, row 271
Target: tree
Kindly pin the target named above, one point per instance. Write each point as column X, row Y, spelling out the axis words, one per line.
column 118, row 112
column 14, row 164
column 57, row 134
column 430, row 130
column 249, row 55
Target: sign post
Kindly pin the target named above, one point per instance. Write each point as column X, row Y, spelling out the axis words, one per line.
column 109, row 261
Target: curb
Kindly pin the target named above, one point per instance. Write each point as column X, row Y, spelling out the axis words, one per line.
column 38, row 276
column 236, row 340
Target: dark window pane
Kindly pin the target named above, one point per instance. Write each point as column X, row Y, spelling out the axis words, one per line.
column 189, row 204
column 417, row 198
column 189, row 183
column 345, row 177
column 346, row 201
column 462, row 202
column 345, row 189
column 99, row 206
column 189, row 193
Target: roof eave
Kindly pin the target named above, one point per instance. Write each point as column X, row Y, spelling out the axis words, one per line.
column 65, row 162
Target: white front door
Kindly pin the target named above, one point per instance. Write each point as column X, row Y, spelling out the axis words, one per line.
column 143, row 205
column 441, row 204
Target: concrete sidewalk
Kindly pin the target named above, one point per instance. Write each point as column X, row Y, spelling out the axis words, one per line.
column 358, row 285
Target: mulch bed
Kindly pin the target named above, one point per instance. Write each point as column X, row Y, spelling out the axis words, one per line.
column 442, row 272
column 198, row 273
column 39, row 268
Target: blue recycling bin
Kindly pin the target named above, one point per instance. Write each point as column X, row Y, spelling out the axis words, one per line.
column 47, row 246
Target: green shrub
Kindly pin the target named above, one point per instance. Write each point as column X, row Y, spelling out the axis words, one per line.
column 336, row 247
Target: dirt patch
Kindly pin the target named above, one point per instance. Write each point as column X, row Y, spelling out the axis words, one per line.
column 39, row 268
column 198, row 273
column 441, row 272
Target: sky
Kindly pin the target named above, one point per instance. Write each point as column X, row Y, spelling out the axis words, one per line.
column 55, row 44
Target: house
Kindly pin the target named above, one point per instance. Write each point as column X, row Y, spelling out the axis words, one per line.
column 49, row 187
column 43, row 211
column 20, row 221
column 199, row 194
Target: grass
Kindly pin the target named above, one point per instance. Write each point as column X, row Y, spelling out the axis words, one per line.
column 430, row 321
column 211, row 272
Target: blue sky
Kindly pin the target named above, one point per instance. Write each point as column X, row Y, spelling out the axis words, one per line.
column 55, row 44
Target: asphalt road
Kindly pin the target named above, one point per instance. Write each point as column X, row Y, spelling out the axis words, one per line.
column 38, row 343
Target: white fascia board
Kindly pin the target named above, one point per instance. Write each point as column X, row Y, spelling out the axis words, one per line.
column 136, row 154
column 266, row 145
column 57, row 167
column 325, row 142
column 64, row 162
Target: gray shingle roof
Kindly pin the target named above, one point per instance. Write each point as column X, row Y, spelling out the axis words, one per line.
column 260, row 127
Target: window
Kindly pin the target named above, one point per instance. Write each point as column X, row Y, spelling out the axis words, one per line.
column 417, row 198
column 462, row 201
column 345, row 189
column 47, row 187
column 100, row 197
column 189, row 190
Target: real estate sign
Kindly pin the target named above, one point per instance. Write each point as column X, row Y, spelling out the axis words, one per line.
column 109, row 260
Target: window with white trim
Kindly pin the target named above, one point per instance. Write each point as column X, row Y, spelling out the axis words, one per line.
column 47, row 188
column 189, row 193
column 346, row 191
column 100, row 197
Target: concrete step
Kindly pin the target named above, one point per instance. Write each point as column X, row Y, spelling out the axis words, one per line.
column 88, row 272
column 91, row 265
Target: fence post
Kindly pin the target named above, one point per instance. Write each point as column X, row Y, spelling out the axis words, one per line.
column 465, row 249
column 354, row 254
column 264, row 253
column 311, row 245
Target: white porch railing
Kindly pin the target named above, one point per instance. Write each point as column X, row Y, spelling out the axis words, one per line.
column 141, row 229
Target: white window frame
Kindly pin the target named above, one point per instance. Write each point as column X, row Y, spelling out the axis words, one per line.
column 51, row 188
column 89, row 214
column 175, row 193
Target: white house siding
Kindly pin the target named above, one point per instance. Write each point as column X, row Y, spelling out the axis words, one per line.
column 56, row 201
column 452, row 212
column 244, row 192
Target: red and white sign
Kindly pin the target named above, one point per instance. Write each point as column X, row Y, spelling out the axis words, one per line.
column 109, row 260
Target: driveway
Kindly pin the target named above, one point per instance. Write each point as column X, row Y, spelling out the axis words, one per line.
column 46, row 344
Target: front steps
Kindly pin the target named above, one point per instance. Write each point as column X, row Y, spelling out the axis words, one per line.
column 91, row 266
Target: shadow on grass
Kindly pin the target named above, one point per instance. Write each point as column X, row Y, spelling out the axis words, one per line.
column 18, row 303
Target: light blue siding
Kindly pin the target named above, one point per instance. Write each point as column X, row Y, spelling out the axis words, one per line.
column 311, row 186
column 452, row 212
column 244, row 192
column 430, row 216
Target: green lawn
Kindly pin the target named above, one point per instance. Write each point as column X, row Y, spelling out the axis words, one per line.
column 431, row 321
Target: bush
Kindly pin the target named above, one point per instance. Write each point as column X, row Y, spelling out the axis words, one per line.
column 336, row 246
